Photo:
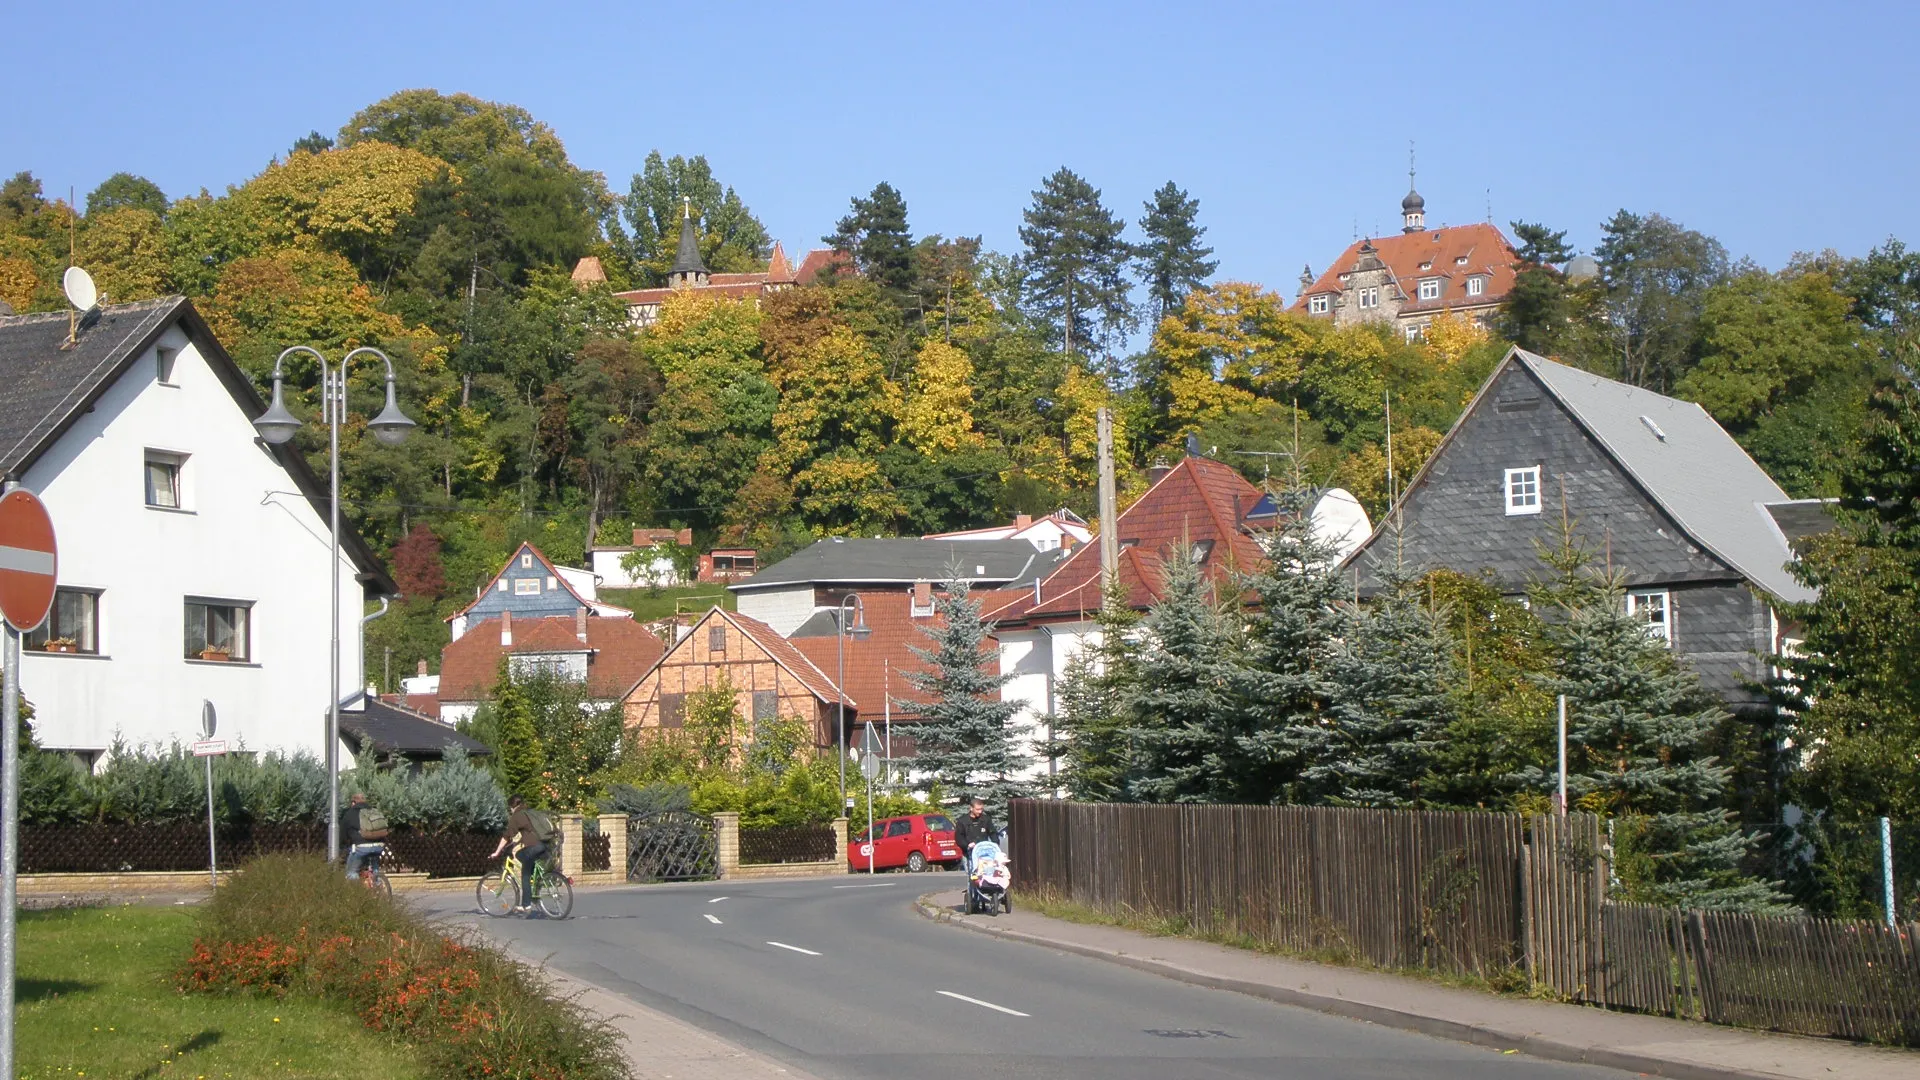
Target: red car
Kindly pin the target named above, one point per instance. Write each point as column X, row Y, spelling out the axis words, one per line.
column 912, row 841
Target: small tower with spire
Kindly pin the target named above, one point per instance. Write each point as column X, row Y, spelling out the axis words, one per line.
column 1306, row 279
column 1413, row 208
column 689, row 270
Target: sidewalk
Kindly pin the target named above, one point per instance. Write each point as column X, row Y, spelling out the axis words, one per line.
column 1653, row 1045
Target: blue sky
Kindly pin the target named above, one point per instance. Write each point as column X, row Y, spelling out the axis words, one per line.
column 1777, row 128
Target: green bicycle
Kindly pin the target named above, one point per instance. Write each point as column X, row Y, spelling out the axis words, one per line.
column 498, row 894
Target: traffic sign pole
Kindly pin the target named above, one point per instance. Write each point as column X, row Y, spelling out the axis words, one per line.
column 10, row 838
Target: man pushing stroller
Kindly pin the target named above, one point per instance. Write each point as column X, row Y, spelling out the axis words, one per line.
column 986, row 864
column 974, row 826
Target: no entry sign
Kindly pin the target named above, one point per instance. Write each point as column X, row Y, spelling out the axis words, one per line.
column 27, row 560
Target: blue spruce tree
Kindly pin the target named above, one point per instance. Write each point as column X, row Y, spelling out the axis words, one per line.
column 1389, row 680
column 1181, row 728
column 967, row 737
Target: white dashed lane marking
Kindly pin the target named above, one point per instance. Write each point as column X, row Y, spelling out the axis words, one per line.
column 793, row 948
column 715, row 920
column 982, row 1004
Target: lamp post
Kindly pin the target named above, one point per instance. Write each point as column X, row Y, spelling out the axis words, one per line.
column 859, row 629
column 277, row 426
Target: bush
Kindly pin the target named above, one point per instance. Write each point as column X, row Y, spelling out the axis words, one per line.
column 455, row 796
column 292, row 924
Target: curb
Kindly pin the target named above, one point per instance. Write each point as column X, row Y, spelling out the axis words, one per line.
column 1476, row 1034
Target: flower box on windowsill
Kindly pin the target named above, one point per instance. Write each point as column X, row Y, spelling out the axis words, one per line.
column 60, row 645
column 220, row 656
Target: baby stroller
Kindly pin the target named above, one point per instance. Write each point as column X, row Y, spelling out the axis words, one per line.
column 987, row 884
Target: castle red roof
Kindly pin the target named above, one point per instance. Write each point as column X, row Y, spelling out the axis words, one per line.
column 1431, row 253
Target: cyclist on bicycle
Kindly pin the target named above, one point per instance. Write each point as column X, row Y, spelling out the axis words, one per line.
column 363, row 828
column 529, row 846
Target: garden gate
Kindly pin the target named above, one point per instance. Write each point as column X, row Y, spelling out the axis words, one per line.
column 671, row 845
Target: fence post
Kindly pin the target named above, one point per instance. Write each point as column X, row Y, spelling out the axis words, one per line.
column 571, row 837
column 726, row 844
column 840, row 837
column 614, row 828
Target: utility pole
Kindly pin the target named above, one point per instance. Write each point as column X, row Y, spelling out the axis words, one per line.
column 1109, row 506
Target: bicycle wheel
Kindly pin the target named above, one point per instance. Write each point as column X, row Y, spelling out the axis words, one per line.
column 382, row 884
column 556, row 896
column 496, row 894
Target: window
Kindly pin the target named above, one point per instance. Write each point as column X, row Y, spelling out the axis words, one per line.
column 1430, row 288
column 503, row 584
column 526, row 560
column 1368, row 297
column 1415, row 331
column 1476, row 286
column 717, row 638
column 1198, row 551
column 900, row 828
column 540, row 665
column 1523, row 491
column 72, row 626
column 219, row 630
column 163, row 359
column 1318, row 305
column 938, row 823
column 766, row 705
column 673, row 710
column 526, row 586
column 163, row 479
column 1652, row 607
column 552, row 583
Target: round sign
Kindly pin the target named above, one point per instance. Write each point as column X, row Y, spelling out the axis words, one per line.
column 27, row 560
column 208, row 722
column 870, row 766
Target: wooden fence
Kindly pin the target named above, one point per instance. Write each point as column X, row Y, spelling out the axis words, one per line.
column 1469, row 892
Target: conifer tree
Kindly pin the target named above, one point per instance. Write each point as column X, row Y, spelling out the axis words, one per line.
column 1171, row 260
column 1075, row 263
column 1182, row 729
column 1389, row 680
column 1280, row 679
column 967, row 737
column 521, row 759
column 1638, row 723
column 875, row 233
column 1096, row 699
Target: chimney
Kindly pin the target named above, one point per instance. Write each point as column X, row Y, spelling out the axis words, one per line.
column 1021, row 521
column 580, row 623
column 423, row 669
column 923, row 596
column 1158, row 471
column 506, row 629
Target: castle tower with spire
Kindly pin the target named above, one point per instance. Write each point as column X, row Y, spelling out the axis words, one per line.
column 689, row 271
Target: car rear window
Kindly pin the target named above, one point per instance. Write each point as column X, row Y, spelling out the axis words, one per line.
column 938, row 823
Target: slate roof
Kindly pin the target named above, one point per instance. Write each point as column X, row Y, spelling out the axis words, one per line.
column 623, row 651
column 44, row 389
column 552, row 571
column 1482, row 244
column 1200, row 502
column 1798, row 519
column 392, row 729
column 904, row 560
column 1687, row 463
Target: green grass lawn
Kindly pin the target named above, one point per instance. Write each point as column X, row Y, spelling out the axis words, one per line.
column 651, row 604
column 96, row 999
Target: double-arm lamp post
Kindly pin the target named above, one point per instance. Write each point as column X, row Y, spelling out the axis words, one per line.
column 277, row 426
column 859, row 629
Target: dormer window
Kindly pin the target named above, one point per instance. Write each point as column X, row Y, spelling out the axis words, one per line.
column 1430, row 288
column 1318, row 305
column 1476, row 285
column 1461, row 261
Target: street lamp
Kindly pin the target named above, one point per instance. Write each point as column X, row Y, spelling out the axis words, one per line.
column 277, row 426
column 859, row 629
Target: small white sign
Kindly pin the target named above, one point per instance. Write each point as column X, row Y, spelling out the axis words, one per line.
column 210, row 748
column 866, row 849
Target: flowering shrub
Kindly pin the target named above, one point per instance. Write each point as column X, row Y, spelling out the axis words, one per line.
column 291, row 925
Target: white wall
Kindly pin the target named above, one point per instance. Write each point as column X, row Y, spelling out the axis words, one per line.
column 783, row 608
column 244, row 535
column 1037, row 660
column 606, row 563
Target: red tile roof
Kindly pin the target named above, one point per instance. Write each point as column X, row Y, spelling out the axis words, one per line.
column 622, row 651
column 731, row 291
column 1482, row 245
column 817, row 262
column 876, row 663
column 778, row 271
column 1201, row 501
column 785, row 654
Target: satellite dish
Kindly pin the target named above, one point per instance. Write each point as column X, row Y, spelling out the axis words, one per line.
column 80, row 290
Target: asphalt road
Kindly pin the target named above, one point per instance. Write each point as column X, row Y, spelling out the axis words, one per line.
column 839, row 977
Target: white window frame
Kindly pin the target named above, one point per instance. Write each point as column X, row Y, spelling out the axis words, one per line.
column 175, row 489
column 1643, row 604
column 1476, row 285
column 1319, row 305
column 1430, row 288
column 1520, row 490
column 1368, row 297
column 1415, row 332
column 526, row 586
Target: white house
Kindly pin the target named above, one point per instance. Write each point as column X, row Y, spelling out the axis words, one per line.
column 1062, row 528
column 193, row 556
